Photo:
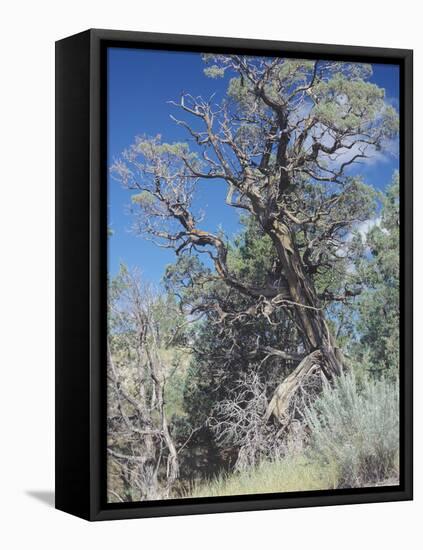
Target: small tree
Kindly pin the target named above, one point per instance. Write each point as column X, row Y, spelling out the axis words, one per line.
column 378, row 306
column 142, row 454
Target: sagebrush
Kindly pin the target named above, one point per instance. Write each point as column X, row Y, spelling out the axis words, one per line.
column 357, row 430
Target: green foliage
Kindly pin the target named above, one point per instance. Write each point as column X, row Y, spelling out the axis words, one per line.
column 357, row 430
column 178, row 361
column 344, row 101
column 295, row 71
column 214, row 71
column 152, row 148
column 354, row 104
column 239, row 93
column 223, row 352
column 252, row 254
column 144, row 198
column 358, row 202
column 378, row 306
column 188, row 279
column 342, row 98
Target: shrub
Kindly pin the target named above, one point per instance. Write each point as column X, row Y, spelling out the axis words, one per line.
column 239, row 423
column 357, row 430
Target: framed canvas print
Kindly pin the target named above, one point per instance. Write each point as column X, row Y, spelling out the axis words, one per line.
column 234, row 275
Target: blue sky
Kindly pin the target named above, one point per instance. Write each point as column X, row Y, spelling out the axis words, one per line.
column 140, row 83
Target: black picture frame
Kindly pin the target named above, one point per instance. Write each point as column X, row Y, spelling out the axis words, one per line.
column 81, row 261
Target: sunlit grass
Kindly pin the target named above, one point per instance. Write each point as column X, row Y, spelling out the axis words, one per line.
column 295, row 473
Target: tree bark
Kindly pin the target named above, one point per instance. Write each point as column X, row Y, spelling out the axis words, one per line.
column 172, row 467
column 320, row 348
column 279, row 405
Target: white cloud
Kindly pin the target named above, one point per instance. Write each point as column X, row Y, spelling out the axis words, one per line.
column 363, row 228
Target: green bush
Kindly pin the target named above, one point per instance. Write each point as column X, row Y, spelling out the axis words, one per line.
column 356, row 430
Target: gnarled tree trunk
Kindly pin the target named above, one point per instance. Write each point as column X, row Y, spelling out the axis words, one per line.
column 321, row 352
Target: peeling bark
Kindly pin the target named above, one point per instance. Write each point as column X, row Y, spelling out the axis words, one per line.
column 318, row 342
column 284, row 393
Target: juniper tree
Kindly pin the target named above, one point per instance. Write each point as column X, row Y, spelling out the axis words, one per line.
column 285, row 139
column 378, row 305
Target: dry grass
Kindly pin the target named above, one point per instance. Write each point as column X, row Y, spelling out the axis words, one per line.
column 354, row 442
column 295, row 473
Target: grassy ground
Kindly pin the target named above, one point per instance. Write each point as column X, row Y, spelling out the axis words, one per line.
column 294, row 473
column 354, row 436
